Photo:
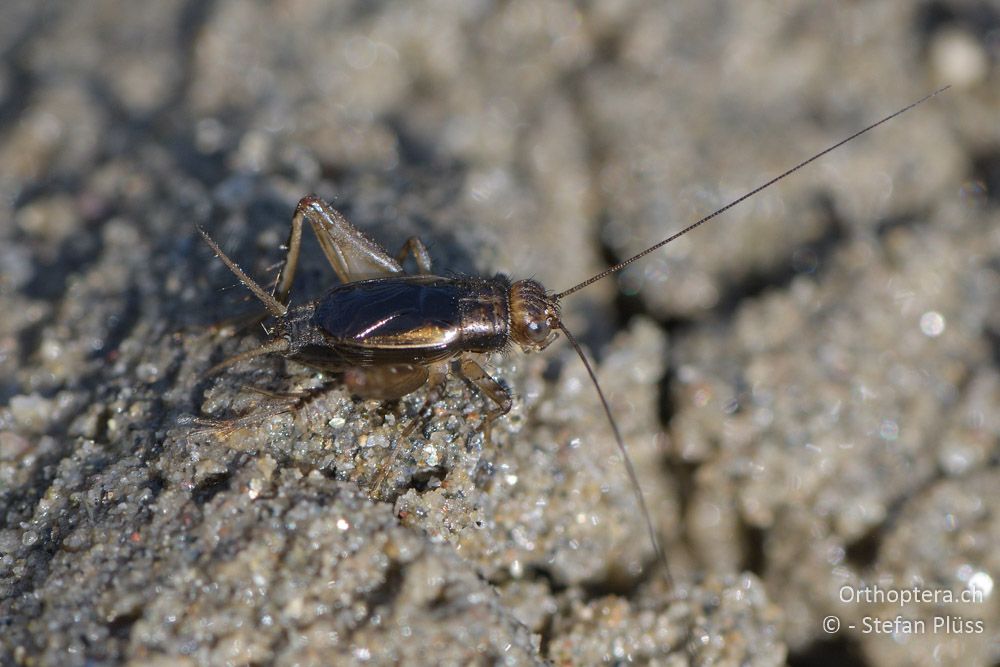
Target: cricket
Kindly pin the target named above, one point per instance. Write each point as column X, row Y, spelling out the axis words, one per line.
column 387, row 333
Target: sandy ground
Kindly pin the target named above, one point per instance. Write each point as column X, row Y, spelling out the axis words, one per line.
column 808, row 386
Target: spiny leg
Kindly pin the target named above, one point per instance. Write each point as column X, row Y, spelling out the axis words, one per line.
column 229, row 325
column 286, row 275
column 352, row 255
column 274, row 307
column 286, row 402
column 226, row 427
column 478, row 377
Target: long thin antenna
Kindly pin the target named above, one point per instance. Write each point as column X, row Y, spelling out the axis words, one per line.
column 625, row 457
column 789, row 172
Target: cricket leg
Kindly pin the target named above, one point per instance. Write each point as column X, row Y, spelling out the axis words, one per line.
column 385, row 383
column 434, row 378
column 284, row 403
column 274, row 306
column 274, row 346
column 352, row 255
column 414, row 246
column 493, row 390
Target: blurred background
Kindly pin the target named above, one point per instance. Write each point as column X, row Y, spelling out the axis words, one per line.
column 809, row 384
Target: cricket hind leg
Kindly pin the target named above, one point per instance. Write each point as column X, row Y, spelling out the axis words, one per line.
column 352, row 255
column 385, row 383
column 415, row 247
column 285, row 402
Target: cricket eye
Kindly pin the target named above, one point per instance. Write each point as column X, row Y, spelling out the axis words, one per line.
column 538, row 331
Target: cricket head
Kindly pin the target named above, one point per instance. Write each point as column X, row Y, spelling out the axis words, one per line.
column 534, row 315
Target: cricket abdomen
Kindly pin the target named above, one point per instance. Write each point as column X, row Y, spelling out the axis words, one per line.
column 413, row 319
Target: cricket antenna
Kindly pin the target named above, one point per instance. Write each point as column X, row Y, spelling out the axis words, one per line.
column 789, row 172
column 625, row 457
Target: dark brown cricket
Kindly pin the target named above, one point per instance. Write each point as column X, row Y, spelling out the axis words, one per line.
column 389, row 333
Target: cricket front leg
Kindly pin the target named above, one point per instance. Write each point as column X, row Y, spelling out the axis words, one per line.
column 493, row 390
